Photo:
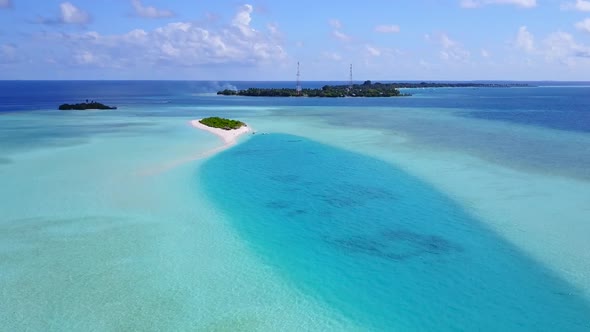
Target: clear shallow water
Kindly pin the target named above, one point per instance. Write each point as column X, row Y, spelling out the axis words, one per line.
column 380, row 245
column 106, row 221
column 97, row 232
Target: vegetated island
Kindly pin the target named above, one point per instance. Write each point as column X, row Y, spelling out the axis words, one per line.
column 367, row 89
column 226, row 129
column 222, row 123
column 411, row 85
column 93, row 105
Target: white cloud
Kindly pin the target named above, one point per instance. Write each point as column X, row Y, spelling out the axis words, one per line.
column 7, row 53
column 5, row 3
column 243, row 18
column 450, row 50
column 85, row 58
column 336, row 24
column 169, row 50
column 332, row 56
column 273, row 28
column 525, row 40
column 584, row 25
column 337, row 32
column 373, row 51
column 561, row 47
column 454, row 55
column 579, row 5
column 481, row 3
column 71, row 14
column 485, row 53
column 175, row 44
column 558, row 47
column 274, row 31
column 387, row 28
column 150, row 11
column 341, row 36
column 446, row 42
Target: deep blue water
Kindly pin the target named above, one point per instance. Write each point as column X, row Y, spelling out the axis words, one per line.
column 558, row 105
column 387, row 250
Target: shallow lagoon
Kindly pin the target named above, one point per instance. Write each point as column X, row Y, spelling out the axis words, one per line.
column 107, row 221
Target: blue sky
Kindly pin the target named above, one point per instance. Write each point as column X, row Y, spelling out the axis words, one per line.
column 263, row 39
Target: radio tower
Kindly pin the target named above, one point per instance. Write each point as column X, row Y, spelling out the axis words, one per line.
column 350, row 82
column 298, row 86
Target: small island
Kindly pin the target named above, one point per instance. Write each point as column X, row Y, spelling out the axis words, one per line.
column 93, row 105
column 227, row 130
column 222, row 123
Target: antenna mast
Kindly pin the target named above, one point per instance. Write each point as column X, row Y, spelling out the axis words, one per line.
column 298, row 86
column 350, row 82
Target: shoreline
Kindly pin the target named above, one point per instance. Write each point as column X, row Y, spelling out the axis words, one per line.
column 229, row 137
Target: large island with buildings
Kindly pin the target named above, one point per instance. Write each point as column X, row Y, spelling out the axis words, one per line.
column 366, row 89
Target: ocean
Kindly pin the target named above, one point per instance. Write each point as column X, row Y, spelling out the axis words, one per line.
column 454, row 209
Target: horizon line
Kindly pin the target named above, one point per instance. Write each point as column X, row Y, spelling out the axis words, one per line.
column 230, row 80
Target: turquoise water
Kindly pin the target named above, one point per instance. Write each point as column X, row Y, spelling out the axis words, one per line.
column 386, row 249
column 101, row 229
column 455, row 209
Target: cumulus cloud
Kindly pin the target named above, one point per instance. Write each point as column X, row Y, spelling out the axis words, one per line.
column 336, row 24
column 373, row 51
column 524, row 40
column 557, row 47
column 481, row 3
column 445, row 41
column 174, row 44
column 337, row 31
column 579, row 5
column 71, row 14
column 384, row 28
column 451, row 50
column 341, row 36
column 88, row 58
column 150, row 11
column 584, row 25
column 243, row 18
column 562, row 47
column 485, row 53
column 5, row 3
column 273, row 28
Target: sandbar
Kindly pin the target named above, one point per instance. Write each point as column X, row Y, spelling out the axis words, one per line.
column 229, row 138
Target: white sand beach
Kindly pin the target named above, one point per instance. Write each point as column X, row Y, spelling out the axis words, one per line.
column 229, row 137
